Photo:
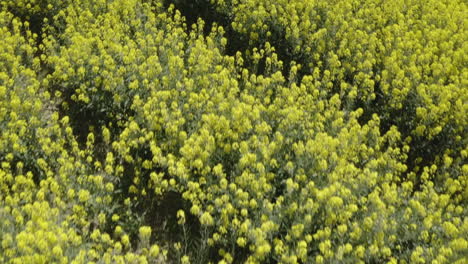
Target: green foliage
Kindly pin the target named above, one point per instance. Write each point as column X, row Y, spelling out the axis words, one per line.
column 333, row 132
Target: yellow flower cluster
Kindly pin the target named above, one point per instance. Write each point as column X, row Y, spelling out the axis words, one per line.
column 402, row 60
column 128, row 136
column 56, row 201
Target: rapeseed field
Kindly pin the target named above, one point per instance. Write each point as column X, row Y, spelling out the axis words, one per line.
column 233, row 131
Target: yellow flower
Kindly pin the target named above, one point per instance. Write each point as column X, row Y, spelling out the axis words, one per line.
column 195, row 209
column 450, row 229
column 125, row 240
column 359, row 252
column 336, row 201
column 185, row 260
column 154, row 251
column 145, row 233
column 83, row 195
column 115, row 217
column 206, row 219
column 241, row 242
column 181, row 217
column 118, row 247
column 263, row 249
column 342, row 229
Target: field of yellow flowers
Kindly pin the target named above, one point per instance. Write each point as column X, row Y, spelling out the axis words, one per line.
column 233, row 131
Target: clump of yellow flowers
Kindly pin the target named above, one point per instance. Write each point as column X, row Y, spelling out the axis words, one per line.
column 333, row 132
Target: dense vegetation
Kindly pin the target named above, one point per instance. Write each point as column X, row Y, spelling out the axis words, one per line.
column 233, row 131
